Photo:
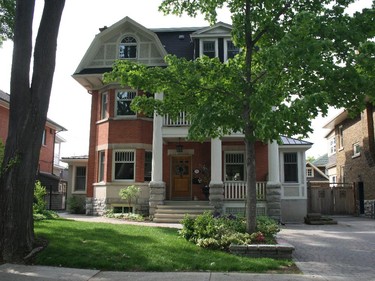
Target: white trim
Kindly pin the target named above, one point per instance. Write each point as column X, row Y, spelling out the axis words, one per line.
column 225, row 164
column 114, row 165
column 205, row 39
column 307, row 172
column 128, row 34
column 74, row 180
column 225, row 42
column 116, row 116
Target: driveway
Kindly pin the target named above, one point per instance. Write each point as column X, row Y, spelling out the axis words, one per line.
column 334, row 251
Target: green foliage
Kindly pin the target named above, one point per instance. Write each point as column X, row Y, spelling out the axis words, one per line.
column 39, row 206
column 7, row 15
column 130, row 193
column 219, row 232
column 76, row 204
column 134, row 248
column 124, row 216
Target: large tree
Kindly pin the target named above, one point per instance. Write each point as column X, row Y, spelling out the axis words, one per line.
column 295, row 62
column 29, row 102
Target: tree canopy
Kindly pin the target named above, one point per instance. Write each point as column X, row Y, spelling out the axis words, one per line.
column 297, row 58
column 7, row 15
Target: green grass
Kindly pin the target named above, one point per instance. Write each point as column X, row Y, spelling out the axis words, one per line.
column 134, row 248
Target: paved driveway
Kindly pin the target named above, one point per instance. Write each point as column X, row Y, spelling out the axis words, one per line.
column 334, row 251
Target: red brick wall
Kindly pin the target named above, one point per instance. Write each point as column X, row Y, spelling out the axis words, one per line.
column 46, row 155
column 47, row 152
column 93, row 155
column 4, row 120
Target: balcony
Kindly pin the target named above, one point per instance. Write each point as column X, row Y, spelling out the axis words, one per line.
column 236, row 190
column 180, row 121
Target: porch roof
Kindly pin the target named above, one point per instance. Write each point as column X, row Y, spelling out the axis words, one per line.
column 292, row 141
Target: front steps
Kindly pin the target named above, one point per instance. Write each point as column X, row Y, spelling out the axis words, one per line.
column 175, row 211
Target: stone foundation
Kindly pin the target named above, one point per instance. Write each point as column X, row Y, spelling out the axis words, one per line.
column 370, row 208
column 274, row 200
column 278, row 251
column 157, row 196
column 217, row 197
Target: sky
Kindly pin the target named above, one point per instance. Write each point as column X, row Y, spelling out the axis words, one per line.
column 70, row 103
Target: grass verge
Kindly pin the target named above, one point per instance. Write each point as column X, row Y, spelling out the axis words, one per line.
column 135, row 248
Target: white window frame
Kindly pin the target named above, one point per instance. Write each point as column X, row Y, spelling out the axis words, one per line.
column 226, row 48
column 126, row 100
column 356, row 150
column 311, row 170
column 237, row 163
column 44, row 137
column 75, row 191
column 125, row 161
column 144, row 176
column 341, row 137
column 332, row 145
column 121, row 44
column 202, row 40
column 296, row 163
column 104, row 106
column 101, row 166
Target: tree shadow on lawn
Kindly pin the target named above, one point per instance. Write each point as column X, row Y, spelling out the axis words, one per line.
column 131, row 248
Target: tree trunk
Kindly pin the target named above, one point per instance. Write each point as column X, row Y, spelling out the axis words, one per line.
column 251, row 199
column 28, row 113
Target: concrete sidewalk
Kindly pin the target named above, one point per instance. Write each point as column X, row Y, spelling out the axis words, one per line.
column 12, row 272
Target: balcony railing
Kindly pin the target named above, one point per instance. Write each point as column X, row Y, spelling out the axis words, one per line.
column 236, row 190
column 180, row 121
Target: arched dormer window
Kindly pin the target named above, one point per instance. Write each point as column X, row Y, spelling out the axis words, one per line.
column 128, row 48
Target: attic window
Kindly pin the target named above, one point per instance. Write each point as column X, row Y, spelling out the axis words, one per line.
column 128, row 48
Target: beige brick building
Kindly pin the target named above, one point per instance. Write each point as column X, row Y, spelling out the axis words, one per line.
column 352, row 155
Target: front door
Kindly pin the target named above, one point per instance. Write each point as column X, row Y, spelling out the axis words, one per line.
column 181, row 177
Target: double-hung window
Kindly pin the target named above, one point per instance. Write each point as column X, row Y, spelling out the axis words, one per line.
column 234, row 166
column 148, row 165
column 124, row 162
column 230, row 50
column 80, row 179
column 104, row 106
column 209, row 48
column 101, row 165
column 123, row 101
column 128, row 48
column 291, row 167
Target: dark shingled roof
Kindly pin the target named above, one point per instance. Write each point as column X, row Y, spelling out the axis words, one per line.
column 321, row 161
column 4, row 96
column 292, row 141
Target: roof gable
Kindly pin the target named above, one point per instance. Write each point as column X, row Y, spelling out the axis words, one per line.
column 104, row 50
column 220, row 28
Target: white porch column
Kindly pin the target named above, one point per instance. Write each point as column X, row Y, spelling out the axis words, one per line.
column 216, row 183
column 157, row 186
column 273, row 184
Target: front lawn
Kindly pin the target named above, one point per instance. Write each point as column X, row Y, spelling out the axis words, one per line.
column 134, row 248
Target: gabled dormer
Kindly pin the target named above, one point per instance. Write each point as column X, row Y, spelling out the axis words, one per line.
column 214, row 41
column 127, row 40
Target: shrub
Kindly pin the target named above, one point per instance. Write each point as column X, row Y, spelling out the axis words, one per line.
column 76, row 205
column 130, row 193
column 125, row 216
column 219, row 232
column 40, row 211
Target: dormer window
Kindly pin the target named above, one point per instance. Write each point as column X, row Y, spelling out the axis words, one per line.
column 209, row 48
column 230, row 50
column 128, row 48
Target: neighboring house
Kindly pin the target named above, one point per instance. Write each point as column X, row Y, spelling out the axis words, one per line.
column 127, row 148
column 315, row 172
column 352, row 156
column 49, row 169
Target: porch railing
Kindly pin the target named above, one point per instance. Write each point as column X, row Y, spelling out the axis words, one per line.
column 235, row 190
column 181, row 120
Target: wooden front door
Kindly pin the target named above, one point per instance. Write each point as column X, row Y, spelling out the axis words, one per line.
column 181, row 177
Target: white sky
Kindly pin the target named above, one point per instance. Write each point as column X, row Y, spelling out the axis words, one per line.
column 70, row 103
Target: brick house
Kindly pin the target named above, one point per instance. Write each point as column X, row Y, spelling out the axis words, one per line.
column 152, row 152
column 351, row 155
column 49, row 169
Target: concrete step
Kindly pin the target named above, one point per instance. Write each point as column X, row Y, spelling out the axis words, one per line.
column 174, row 212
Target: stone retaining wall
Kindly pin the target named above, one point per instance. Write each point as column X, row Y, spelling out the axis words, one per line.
column 278, row 251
